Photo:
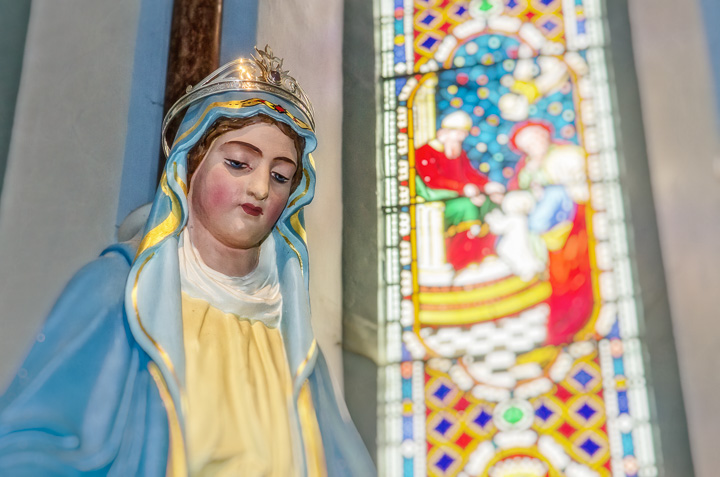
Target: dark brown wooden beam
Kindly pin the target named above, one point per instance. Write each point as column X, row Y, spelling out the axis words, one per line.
column 194, row 48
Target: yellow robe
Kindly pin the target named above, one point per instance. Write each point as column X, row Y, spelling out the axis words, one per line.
column 239, row 395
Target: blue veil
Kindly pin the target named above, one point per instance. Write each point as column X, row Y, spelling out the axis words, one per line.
column 102, row 392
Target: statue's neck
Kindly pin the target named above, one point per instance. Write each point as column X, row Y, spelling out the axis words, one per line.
column 229, row 261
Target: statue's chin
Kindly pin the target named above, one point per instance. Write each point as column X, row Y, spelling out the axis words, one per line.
column 245, row 243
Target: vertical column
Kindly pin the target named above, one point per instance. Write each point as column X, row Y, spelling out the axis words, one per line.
column 194, row 48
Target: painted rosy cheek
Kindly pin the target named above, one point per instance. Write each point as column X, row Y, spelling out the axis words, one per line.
column 220, row 195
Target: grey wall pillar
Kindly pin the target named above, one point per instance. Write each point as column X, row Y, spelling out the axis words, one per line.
column 679, row 117
column 360, row 219
column 59, row 201
column 668, row 412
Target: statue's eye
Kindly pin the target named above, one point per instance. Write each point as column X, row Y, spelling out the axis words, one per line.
column 280, row 178
column 235, row 164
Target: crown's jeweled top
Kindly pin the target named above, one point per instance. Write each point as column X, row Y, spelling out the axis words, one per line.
column 261, row 72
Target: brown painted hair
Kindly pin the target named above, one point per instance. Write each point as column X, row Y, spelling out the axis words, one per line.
column 224, row 124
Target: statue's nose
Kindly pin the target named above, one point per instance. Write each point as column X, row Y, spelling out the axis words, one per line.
column 259, row 185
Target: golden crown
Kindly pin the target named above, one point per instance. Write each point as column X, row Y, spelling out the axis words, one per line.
column 260, row 72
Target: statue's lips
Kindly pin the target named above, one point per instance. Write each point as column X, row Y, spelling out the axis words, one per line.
column 251, row 209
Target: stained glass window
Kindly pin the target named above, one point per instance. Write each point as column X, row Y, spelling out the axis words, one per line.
column 510, row 322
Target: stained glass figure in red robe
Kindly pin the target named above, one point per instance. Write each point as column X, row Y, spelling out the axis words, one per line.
column 446, row 174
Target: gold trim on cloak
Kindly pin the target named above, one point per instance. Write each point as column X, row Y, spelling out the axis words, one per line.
column 311, row 352
column 167, row 226
column 163, row 354
column 314, row 450
column 176, row 462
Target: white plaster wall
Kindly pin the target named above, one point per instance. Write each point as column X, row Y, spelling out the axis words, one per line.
column 59, row 199
column 681, row 131
column 308, row 34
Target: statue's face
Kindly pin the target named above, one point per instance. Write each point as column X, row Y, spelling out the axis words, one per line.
column 243, row 184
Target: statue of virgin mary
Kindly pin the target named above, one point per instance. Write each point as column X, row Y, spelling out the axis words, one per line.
column 189, row 350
